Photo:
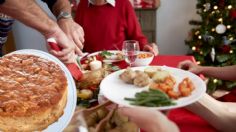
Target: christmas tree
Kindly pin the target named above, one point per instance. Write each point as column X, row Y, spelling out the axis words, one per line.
column 212, row 41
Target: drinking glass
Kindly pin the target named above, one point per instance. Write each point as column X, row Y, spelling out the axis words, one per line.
column 130, row 50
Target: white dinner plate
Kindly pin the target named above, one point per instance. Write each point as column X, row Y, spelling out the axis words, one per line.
column 64, row 120
column 116, row 90
column 111, row 60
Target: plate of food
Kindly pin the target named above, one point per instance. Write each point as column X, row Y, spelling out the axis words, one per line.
column 156, row 87
column 40, row 92
column 108, row 56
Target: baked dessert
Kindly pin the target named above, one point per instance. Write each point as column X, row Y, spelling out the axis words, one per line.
column 33, row 93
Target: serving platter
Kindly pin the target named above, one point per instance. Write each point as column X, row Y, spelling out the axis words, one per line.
column 111, row 59
column 114, row 89
column 69, row 109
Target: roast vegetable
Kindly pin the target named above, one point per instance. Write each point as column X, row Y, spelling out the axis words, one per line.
column 85, row 94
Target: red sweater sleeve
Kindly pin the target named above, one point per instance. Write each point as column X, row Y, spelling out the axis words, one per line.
column 134, row 31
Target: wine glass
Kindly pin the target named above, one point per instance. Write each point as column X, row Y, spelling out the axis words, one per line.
column 130, row 49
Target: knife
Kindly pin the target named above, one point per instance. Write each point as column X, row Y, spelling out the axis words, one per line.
column 72, row 67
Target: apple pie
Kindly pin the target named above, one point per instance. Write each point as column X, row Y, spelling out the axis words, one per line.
column 33, row 92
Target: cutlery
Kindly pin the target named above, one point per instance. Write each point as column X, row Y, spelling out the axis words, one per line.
column 101, row 126
column 72, row 67
column 87, row 112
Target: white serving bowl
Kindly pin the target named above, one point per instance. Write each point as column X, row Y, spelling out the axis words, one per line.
column 143, row 61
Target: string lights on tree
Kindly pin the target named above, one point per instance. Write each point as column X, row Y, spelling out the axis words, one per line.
column 213, row 38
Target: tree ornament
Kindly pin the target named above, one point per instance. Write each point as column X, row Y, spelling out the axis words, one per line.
column 208, row 38
column 226, row 41
column 226, row 49
column 233, row 14
column 207, row 6
column 213, row 54
column 220, row 28
column 222, row 3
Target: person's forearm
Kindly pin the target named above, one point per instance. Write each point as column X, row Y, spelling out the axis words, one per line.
column 160, row 123
column 216, row 113
column 29, row 13
column 224, row 73
column 61, row 5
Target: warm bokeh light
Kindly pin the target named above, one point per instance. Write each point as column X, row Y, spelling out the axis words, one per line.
column 228, row 26
column 215, row 7
column 230, row 6
column 220, row 19
column 197, row 32
column 193, row 48
column 215, row 80
column 199, row 37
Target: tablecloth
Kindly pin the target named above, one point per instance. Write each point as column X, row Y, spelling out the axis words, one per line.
column 186, row 120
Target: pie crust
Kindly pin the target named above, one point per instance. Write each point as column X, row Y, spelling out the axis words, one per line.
column 33, row 92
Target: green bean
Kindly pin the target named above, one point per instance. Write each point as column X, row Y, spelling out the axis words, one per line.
column 131, row 99
column 147, row 100
column 151, row 98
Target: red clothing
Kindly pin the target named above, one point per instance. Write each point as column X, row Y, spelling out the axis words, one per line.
column 106, row 27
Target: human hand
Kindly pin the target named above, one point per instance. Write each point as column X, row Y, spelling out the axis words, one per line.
column 73, row 31
column 67, row 54
column 152, row 48
column 190, row 66
column 149, row 120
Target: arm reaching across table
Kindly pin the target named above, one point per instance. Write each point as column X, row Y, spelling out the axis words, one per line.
column 221, row 115
column 225, row 73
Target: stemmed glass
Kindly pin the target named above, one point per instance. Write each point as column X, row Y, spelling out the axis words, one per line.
column 130, row 50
